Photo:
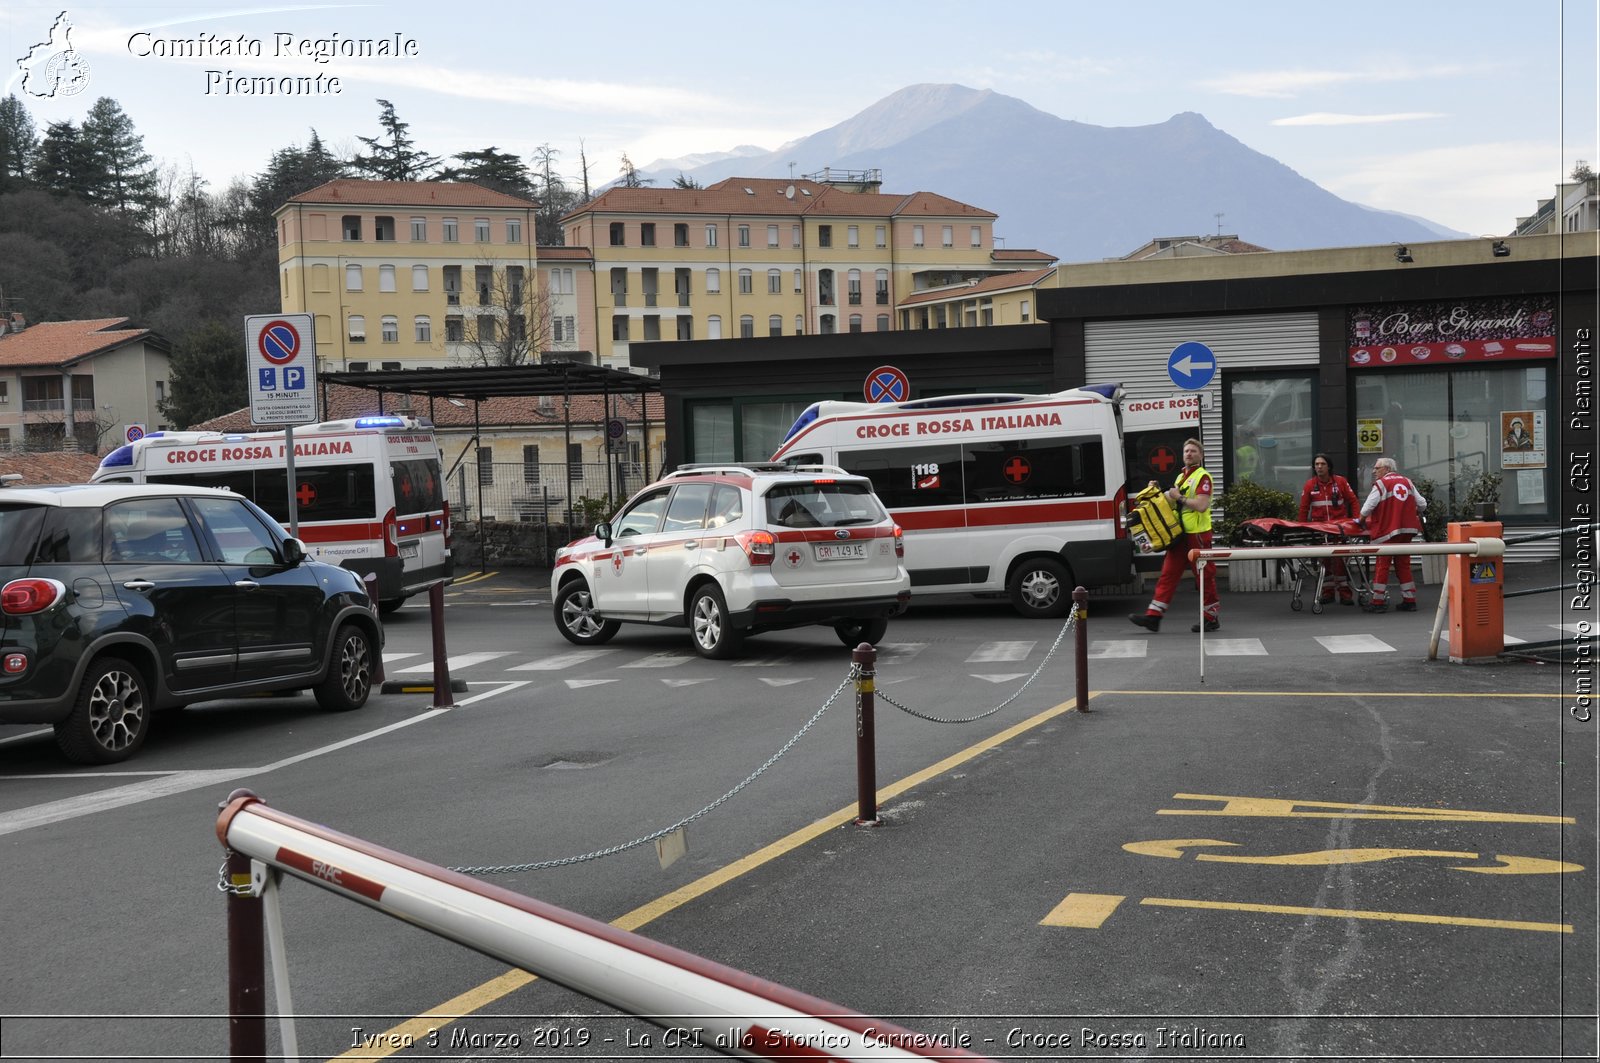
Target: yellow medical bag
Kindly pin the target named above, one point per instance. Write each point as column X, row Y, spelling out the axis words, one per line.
column 1154, row 523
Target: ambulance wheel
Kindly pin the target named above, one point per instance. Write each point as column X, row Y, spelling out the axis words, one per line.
column 1040, row 588
column 577, row 619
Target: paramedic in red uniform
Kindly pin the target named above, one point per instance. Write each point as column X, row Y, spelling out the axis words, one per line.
column 1329, row 496
column 1191, row 496
column 1392, row 513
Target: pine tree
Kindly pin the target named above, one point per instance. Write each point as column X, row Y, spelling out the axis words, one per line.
column 491, row 168
column 126, row 174
column 289, row 172
column 66, row 163
column 394, row 158
column 19, row 140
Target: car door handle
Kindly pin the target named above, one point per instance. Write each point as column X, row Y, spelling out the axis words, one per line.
column 692, row 544
column 246, row 584
column 139, row 585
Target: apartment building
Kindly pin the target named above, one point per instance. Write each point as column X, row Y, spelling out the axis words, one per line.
column 86, row 382
column 413, row 274
column 758, row 257
column 1575, row 208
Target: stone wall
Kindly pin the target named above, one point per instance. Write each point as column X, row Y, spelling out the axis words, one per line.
column 506, row 544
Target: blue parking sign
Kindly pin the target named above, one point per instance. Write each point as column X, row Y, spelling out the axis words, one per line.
column 266, row 379
column 294, row 378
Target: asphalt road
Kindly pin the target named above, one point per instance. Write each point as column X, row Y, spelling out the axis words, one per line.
column 1328, row 847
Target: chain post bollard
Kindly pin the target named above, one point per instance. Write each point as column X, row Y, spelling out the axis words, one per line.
column 1080, row 639
column 865, row 658
column 247, row 981
column 441, row 664
column 371, row 581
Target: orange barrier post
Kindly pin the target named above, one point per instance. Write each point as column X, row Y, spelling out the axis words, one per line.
column 1476, row 585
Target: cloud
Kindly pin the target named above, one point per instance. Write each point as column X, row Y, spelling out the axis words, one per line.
column 1325, row 118
column 1476, row 188
column 1286, row 84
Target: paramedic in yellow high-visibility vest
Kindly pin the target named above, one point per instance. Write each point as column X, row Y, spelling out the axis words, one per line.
column 1191, row 495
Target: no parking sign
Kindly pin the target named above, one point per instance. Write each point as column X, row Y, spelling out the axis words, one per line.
column 133, row 433
column 281, row 353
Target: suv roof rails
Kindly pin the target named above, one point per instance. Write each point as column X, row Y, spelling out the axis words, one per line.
column 753, row 468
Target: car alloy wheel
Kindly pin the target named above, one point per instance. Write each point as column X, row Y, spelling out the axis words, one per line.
column 349, row 678
column 578, row 620
column 111, row 717
column 713, row 634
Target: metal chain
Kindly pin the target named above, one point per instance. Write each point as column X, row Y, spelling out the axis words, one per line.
column 226, row 885
column 542, row 865
column 1072, row 619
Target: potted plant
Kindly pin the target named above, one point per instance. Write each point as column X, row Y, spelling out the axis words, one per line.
column 1465, row 498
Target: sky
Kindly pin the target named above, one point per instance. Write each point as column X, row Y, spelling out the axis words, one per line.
column 1462, row 112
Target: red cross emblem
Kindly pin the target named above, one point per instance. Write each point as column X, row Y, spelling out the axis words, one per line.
column 405, row 488
column 616, row 562
column 1162, row 459
column 794, row 558
column 306, row 494
column 1017, row 470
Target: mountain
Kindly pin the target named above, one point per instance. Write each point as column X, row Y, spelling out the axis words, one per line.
column 1080, row 192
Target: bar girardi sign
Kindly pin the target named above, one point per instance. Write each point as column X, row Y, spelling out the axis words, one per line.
column 1440, row 333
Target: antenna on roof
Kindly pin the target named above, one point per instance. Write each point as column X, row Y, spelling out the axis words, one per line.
column 791, row 171
column 1219, row 216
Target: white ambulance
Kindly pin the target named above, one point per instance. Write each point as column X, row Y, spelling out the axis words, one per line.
column 369, row 492
column 1021, row 494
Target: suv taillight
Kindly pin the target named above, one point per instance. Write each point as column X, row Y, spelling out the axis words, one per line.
column 759, row 546
column 391, row 535
column 22, row 597
column 899, row 541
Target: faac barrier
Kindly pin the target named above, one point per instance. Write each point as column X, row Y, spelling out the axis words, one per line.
column 1477, row 547
column 676, row 990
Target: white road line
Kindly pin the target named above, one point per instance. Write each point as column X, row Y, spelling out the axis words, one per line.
column 784, row 682
column 26, row 736
column 390, row 658
column 1216, row 647
column 1001, row 651
column 1120, row 648
column 1574, row 629
column 900, row 651
column 579, row 684
column 687, row 682
column 460, row 661
column 560, row 660
column 1009, row 677
column 670, row 659
column 771, row 660
column 1354, row 644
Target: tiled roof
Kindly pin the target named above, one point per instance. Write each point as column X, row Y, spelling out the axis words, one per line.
column 519, row 412
column 347, row 191
column 1000, row 282
column 48, row 467
column 56, row 343
column 770, row 196
column 564, row 254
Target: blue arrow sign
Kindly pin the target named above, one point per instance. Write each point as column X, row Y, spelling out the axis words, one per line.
column 1191, row 365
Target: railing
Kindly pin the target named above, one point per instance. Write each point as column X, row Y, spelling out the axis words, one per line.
column 42, row 405
column 855, row 298
column 883, row 299
column 547, row 492
column 619, row 298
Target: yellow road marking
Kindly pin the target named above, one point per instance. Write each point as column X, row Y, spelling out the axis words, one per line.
column 1351, row 913
column 1173, row 848
column 1083, row 911
column 487, row 993
column 1284, row 808
column 474, row 577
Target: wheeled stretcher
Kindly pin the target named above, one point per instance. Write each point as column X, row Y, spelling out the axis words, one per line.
column 1312, row 571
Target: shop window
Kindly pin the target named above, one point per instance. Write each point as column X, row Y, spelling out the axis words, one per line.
column 1270, row 430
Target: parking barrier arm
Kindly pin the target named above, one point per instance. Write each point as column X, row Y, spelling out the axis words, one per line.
column 737, row 1012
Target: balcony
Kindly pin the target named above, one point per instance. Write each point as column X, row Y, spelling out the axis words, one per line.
column 649, row 298
column 855, row 298
column 619, row 298
column 452, row 298
column 826, row 299
column 883, row 299
column 683, row 298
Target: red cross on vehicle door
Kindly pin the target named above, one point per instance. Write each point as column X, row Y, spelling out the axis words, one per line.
column 1017, row 470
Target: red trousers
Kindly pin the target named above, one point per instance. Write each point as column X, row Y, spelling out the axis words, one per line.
column 1380, row 572
column 1176, row 564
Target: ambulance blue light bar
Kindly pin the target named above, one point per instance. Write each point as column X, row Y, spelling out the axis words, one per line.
column 123, row 455
column 380, row 422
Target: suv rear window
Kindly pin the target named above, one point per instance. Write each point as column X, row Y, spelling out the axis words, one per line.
column 19, row 530
column 822, row 505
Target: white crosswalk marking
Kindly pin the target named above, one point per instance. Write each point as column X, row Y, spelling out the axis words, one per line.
column 560, row 661
column 669, row 659
column 1001, row 651
column 1235, row 648
column 1574, row 629
column 1354, row 644
column 686, row 682
column 771, row 660
column 389, row 658
column 1120, row 648
column 1006, row 678
column 456, row 664
column 579, row 684
column 784, row 682
column 900, row 651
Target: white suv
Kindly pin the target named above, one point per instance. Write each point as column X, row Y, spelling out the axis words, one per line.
column 733, row 550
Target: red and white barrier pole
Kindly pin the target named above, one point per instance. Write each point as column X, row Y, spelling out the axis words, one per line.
column 723, row 1009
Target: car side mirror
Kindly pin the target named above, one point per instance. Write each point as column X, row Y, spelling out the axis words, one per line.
column 602, row 531
column 294, row 552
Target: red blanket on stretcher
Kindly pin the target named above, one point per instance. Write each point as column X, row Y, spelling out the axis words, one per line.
column 1265, row 531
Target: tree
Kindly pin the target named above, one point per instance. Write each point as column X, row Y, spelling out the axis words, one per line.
column 208, row 374
column 66, row 163
column 681, row 181
column 127, row 176
column 511, row 323
column 290, row 171
column 394, row 158
column 630, row 174
column 492, row 169
column 555, row 198
column 1582, row 171
column 19, row 140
